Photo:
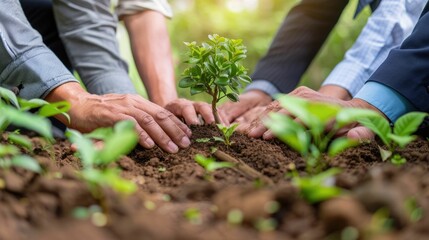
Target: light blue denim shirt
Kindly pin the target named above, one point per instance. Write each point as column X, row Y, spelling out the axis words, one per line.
column 25, row 62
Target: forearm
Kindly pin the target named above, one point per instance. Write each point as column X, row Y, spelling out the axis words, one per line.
column 88, row 30
column 25, row 62
column 152, row 54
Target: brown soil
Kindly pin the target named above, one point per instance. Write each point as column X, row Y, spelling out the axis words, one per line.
column 41, row 206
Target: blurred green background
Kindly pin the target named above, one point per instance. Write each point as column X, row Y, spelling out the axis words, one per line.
column 254, row 21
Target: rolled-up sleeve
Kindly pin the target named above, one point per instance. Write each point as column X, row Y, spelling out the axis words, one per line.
column 129, row 7
column 25, row 62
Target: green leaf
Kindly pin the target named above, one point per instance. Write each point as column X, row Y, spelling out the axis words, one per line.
column 20, row 140
column 8, row 150
column 297, row 107
column 197, row 89
column 408, row 123
column 213, row 166
column 402, row 141
column 56, row 108
column 9, row 96
column 351, row 115
column 289, row 132
column 26, row 162
column 85, row 147
column 230, row 129
column 316, row 188
column 29, row 121
column 398, row 160
column 119, row 144
column 379, row 125
column 233, row 97
column 385, row 154
column 323, row 112
column 186, row 82
column 222, row 81
column 219, row 139
column 202, row 140
column 341, row 144
column 32, row 103
column 100, row 133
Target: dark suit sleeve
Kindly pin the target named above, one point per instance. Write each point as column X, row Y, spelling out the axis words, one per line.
column 406, row 69
column 298, row 40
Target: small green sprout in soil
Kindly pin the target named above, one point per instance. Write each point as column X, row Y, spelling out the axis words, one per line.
column 235, row 217
column 316, row 188
column 227, row 132
column 313, row 138
column 396, row 138
column 193, row 215
column 97, row 166
column 210, row 165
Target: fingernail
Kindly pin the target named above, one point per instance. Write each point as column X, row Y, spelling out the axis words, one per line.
column 150, row 142
column 185, row 142
column 173, row 148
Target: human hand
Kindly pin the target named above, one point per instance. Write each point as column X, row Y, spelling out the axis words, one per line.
column 154, row 124
column 257, row 128
column 247, row 101
column 189, row 110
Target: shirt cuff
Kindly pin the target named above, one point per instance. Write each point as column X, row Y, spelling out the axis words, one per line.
column 130, row 7
column 348, row 75
column 264, row 86
column 110, row 82
column 386, row 99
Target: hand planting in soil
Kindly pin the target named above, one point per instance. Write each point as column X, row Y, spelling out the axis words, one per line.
column 397, row 137
column 216, row 70
column 14, row 111
column 97, row 170
column 210, row 165
column 315, row 135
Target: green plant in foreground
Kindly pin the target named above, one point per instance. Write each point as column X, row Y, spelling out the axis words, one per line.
column 216, row 69
column 396, row 138
column 319, row 187
column 14, row 111
column 211, row 165
column 312, row 138
column 96, row 163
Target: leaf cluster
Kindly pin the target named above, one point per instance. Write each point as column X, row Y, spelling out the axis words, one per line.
column 397, row 137
column 215, row 66
column 97, row 170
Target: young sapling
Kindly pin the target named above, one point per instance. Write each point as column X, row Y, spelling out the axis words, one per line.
column 312, row 138
column 227, row 132
column 216, row 70
column 397, row 137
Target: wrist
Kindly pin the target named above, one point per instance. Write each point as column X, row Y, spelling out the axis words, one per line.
column 359, row 103
column 71, row 92
column 335, row 91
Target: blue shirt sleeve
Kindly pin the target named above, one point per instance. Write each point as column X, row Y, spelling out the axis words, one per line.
column 385, row 99
column 25, row 62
